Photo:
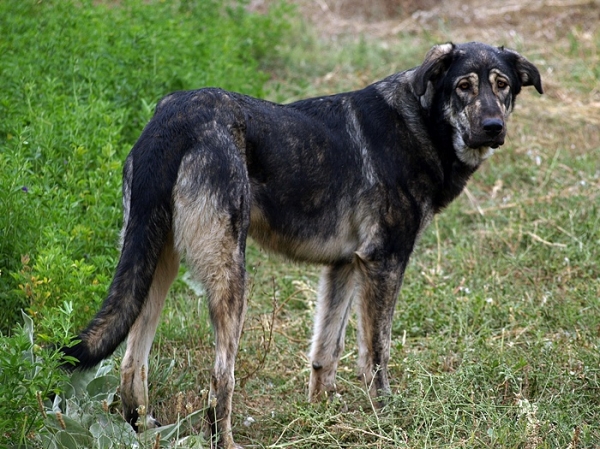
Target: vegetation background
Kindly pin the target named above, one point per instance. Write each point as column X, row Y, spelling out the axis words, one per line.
column 497, row 333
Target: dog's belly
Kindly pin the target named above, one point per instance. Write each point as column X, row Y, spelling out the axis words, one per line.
column 310, row 243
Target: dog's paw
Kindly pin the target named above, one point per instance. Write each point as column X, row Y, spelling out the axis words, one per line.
column 146, row 422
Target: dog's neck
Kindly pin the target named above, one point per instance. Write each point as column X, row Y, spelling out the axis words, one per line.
column 456, row 171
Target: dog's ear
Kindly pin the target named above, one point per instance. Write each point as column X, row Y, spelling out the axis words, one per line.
column 436, row 62
column 528, row 73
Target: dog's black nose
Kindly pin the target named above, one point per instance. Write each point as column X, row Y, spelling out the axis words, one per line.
column 493, row 126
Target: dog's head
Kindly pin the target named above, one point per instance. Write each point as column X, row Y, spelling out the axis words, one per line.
column 475, row 86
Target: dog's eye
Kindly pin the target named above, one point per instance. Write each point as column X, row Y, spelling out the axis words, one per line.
column 464, row 85
column 501, row 84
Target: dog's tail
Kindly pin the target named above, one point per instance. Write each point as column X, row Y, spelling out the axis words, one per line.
column 148, row 177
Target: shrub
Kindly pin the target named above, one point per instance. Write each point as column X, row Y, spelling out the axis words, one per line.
column 79, row 80
column 28, row 374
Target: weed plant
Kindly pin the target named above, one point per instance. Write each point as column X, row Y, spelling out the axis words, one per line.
column 29, row 374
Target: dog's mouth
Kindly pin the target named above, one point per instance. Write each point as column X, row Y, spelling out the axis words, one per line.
column 473, row 146
column 481, row 142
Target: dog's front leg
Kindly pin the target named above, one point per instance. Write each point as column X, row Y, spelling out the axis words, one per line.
column 334, row 301
column 378, row 287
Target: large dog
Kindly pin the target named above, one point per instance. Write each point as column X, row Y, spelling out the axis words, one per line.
column 348, row 181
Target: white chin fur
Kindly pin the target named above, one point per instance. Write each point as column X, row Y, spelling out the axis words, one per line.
column 470, row 156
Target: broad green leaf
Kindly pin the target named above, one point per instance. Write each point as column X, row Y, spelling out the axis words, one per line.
column 103, row 388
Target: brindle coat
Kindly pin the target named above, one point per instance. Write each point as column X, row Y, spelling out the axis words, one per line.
column 348, row 181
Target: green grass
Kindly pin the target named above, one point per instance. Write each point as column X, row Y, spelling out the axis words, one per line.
column 496, row 334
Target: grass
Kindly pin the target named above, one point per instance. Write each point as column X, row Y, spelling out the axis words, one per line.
column 496, row 334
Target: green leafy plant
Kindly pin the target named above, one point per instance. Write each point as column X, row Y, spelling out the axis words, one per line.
column 79, row 81
column 29, row 373
column 43, row 406
column 86, row 415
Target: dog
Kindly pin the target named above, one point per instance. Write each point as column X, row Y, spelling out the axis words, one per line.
column 348, row 181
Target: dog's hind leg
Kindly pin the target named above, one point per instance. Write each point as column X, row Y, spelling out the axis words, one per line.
column 211, row 220
column 336, row 289
column 227, row 308
column 134, row 367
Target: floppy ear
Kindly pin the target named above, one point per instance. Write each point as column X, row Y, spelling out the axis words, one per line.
column 529, row 74
column 436, row 62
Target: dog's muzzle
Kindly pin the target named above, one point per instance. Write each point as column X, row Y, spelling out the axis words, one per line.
column 491, row 133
